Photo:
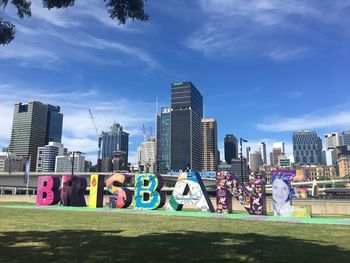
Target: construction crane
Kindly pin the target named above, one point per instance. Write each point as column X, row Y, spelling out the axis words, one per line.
column 98, row 135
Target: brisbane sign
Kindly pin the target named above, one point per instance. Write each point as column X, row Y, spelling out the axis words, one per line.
column 189, row 190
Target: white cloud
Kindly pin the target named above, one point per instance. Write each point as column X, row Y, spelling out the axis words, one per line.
column 64, row 35
column 78, row 130
column 276, row 29
column 339, row 119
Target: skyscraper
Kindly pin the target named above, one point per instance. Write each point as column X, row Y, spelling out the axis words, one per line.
column 345, row 138
column 307, row 147
column 255, row 160
column 231, row 148
column 186, row 131
column 34, row 124
column 115, row 140
column 54, row 124
column 163, row 140
column 262, row 149
column 279, row 145
column 64, row 163
column 148, row 155
column 209, row 145
column 277, row 150
column 332, row 140
column 247, row 149
column 46, row 158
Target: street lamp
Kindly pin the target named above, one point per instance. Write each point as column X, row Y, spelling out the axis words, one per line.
column 241, row 140
column 78, row 152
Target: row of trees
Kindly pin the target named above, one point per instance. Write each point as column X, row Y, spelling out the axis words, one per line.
column 121, row 10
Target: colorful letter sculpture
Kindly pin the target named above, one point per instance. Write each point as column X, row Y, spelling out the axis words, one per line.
column 72, row 192
column 282, row 193
column 147, row 191
column 223, row 196
column 47, row 191
column 122, row 196
column 189, row 190
column 252, row 197
column 96, row 190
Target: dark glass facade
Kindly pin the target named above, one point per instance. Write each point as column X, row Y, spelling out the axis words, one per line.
column 54, row 124
column 163, row 140
column 231, row 148
column 186, row 130
column 115, row 140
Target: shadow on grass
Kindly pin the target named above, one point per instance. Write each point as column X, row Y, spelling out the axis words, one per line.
column 113, row 246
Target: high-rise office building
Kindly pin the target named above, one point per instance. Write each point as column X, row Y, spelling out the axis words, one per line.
column 262, row 149
column 345, row 138
column 209, row 145
column 307, row 147
column 34, row 124
column 255, row 160
column 279, row 145
column 186, row 128
column 64, row 163
column 54, row 124
column 247, row 149
column 329, row 156
column 332, row 140
column 231, row 148
column 276, row 152
column 9, row 162
column 148, row 155
column 46, row 158
column 115, row 140
column 163, row 140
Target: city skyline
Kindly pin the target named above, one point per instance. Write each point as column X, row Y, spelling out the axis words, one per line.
column 81, row 59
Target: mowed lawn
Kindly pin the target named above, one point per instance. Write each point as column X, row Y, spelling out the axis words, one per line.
column 34, row 235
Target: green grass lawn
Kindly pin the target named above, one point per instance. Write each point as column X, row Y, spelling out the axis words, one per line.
column 29, row 235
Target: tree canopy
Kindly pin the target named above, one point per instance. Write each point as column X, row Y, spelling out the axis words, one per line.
column 117, row 9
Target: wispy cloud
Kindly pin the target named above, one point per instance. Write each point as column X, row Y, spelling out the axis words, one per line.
column 64, row 35
column 279, row 30
column 340, row 119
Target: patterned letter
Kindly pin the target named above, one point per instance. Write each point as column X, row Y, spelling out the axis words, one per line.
column 190, row 190
column 122, row 195
column 147, row 191
column 47, row 191
column 72, row 193
column 96, row 190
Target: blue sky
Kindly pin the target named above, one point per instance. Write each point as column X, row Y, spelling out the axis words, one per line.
column 265, row 68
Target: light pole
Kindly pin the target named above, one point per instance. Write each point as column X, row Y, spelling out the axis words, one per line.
column 241, row 140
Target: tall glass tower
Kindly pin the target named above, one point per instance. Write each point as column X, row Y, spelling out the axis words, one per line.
column 163, row 140
column 115, row 140
column 54, row 124
column 32, row 127
column 186, row 130
column 231, row 148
